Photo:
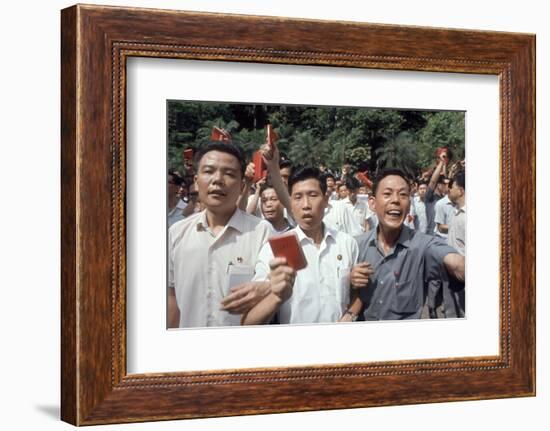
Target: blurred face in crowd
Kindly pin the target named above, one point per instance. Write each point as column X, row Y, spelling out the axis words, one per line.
column 456, row 193
column 363, row 190
column 219, row 181
column 330, row 182
column 422, row 188
column 308, row 204
column 342, row 192
column 352, row 195
column 443, row 187
column 285, row 175
column 391, row 202
column 271, row 206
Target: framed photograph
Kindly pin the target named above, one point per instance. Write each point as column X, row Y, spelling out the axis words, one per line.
column 127, row 74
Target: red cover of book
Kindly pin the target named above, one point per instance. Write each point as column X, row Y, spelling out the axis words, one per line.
column 220, row 135
column 188, row 154
column 260, row 170
column 287, row 245
column 271, row 136
column 361, row 176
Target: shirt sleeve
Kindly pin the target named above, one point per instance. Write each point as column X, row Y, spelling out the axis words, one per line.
column 439, row 213
column 436, row 250
column 261, row 270
column 171, row 282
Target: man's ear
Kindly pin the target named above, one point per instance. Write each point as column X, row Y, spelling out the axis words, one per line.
column 372, row 203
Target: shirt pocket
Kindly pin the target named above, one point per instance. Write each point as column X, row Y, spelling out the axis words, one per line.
column 406, row 298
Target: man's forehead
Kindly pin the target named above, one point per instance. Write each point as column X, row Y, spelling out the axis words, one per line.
column 393, row 182
column 219, row 158
column 306, row 185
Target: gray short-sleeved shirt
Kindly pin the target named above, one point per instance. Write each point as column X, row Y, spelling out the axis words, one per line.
column 430, row 200
column 396, row 289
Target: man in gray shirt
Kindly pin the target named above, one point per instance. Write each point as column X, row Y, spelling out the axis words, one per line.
column 396, row 262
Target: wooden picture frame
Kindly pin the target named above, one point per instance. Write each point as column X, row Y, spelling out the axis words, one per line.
column 95, row 43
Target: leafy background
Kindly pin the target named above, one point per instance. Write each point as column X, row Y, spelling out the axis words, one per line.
column 367, row 138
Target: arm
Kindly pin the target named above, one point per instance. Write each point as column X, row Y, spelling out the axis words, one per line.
column 354, row 308
column 455, row 265
column 436, row 173
column 281, row 280
column 173, row 312
column 245, row 296
column 243, row 197
column 271, row 158
column 253, row 202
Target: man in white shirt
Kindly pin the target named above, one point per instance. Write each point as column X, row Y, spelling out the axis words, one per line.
column 360, row 209
column 321, row 292
column 212, row 254
column 454, row 296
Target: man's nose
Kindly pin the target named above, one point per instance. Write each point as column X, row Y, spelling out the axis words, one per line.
column 217, row 177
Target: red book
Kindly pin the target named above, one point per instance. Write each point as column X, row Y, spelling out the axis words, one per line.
column 188, row 154
column 260, row 169
column 271, row 136
column 361, row 176
column 220, row 135
column 287, row 245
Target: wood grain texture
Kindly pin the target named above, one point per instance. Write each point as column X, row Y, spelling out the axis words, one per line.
column 96, row 41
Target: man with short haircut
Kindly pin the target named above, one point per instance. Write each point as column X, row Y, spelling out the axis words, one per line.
column 331, row 184
column 321, row 291
column 208, row 251
column 444, row 213
column 454, row 298
column 396, row 261
column 272, row 209
column 360, row 209
column 419, row 208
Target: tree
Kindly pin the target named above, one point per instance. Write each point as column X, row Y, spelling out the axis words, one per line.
column 398, row 152
column 443, row 129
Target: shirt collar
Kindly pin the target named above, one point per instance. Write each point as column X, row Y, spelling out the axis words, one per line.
column 327, row 233
column 236, row 221
column 404, row 239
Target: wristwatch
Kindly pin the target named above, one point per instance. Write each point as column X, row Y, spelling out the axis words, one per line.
column 352, row 315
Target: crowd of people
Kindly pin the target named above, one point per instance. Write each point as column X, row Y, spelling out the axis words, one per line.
column 387, row 249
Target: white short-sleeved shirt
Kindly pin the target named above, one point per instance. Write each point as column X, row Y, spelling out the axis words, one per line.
column 360, row 210
column 444, row 213
column 339, row 216
column 418, row 210
column 457, row 231
column 176, row 214
column 201, row 265
column 321, row 291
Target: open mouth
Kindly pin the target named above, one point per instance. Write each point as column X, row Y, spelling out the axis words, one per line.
column 394, row 214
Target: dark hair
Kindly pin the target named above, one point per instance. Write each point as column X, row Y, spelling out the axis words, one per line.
column 441, row 179
column 285, row 163
column 327, row 175
column 306, row 173
column 352, row 183
column 422, row 183
column 265, row 186
column 460, row 179
column 386, row 173
column 177, row 180
column 224, row 147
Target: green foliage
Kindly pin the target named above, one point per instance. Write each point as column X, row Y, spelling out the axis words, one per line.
column 398, row 152
column 368, row 138
column 443, row 129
